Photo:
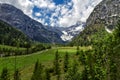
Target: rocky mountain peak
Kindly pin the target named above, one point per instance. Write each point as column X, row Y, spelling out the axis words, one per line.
column 33, row 29
column 107, row 12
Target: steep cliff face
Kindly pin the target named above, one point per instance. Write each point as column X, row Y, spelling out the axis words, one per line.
column 107, row 12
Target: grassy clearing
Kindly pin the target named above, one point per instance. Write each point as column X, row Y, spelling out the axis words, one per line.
column 25, row 63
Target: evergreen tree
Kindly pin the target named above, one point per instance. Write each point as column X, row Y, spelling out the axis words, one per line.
column 114, row 53
column 38, row 70
column 57, row 65
column 66, row 62
column 17, row 75
column 47, row 74
column 27, row 45
column 73, row 73
column 78, row 50
column 5, row 74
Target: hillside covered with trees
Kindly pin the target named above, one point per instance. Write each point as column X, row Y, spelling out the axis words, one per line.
column 11, row 36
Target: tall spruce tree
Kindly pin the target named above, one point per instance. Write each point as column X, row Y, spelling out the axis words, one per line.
column 5, row 74
column 115, row 53
column 17, row 75
column 47, row 74
column 66, row 62
column 73, row 73
column 38, row 70
column 78, row 50
column 57, row 65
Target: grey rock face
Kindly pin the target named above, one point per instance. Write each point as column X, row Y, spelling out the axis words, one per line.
column 107, row 12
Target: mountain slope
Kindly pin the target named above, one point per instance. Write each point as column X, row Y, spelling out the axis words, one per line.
column 102, row 19
column 10, row 35
column 89, row 34
column 69, row 32
column 33, row 29
column 107, row 12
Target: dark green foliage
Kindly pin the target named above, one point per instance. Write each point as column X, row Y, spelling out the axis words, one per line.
column 66, row 62
column 9, row 35
column 17, row 75
column 82, row 57
column 38, row 72
column 57, row 65
column 114, row 54
column 89, row 34
column 6, row 51
column 78, row 51
column 73, row 73
column 5, row 74
column 28, row 46
column 102, row 62
column 38, row 47
column 47, row 74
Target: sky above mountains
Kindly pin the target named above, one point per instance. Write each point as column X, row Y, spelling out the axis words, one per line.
column 59, row 13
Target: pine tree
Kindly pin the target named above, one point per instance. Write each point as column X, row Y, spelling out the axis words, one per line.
column 47, row 74
column 78, row 50
column 73, row 73
column 5, row 74
column 57, row 66
column 66, row 62
column 17, row 75
column 38, row 70
column 114, row 53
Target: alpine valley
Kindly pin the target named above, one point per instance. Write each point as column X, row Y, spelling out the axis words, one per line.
column 87, row 50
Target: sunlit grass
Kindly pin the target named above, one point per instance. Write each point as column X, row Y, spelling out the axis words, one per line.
column 25, row 63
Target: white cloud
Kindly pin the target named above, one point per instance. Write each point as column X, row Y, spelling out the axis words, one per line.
column 67, row 14
column 37, row 14
column 25, row 5
column 79, row 12
column 44, row 4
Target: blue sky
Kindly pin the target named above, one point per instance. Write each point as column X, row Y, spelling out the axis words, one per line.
column 57, row 2
column 46, row 13
column 59, row 13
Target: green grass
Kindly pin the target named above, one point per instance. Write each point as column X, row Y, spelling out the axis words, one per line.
column 25, row 63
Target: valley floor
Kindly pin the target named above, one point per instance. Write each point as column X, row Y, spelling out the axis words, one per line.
column 25, row 63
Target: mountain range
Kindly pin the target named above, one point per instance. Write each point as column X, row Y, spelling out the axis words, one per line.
column 106, row 14
column 33, row 29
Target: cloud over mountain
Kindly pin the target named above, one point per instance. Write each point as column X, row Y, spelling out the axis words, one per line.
column 55, row 13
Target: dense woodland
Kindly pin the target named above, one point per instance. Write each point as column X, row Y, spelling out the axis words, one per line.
column 11, row 36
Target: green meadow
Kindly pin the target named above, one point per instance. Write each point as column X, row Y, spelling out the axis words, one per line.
column 25, row 63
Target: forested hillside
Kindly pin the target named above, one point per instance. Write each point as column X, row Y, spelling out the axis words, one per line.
column 11, row 36
column 89, row 34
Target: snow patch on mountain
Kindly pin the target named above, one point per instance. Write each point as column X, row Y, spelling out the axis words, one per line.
column 66, row 36
column 69, row 33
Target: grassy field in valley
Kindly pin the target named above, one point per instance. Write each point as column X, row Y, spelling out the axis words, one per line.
column 25, row 63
